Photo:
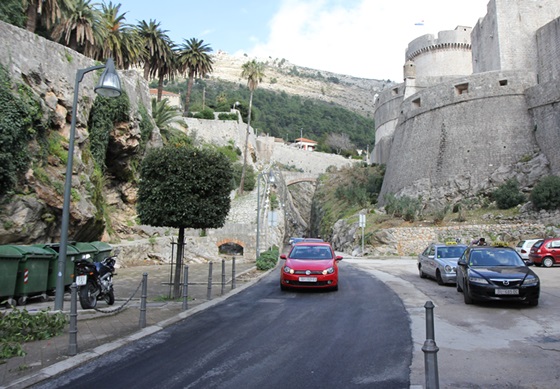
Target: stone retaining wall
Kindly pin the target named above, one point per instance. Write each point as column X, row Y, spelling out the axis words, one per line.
column 413, row 240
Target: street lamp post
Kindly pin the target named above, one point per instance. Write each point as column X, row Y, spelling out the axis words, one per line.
column 109, row 85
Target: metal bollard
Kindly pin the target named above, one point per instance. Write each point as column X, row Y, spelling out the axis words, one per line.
column 430, row 350
column 143, row 299
column 73, row 330
column 186, row 288
column 223, row 276
column 233, row 273
column 209, row 294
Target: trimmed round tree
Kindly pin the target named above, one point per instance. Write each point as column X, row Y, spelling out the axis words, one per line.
column 184, row 187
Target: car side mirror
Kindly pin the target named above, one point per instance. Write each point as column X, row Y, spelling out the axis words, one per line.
column 462, row 262
column 283, row 256
column 338, row 258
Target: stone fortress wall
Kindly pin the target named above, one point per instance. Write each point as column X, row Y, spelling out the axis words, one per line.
column 456, row 136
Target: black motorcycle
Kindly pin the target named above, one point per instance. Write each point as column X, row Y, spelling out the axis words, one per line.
column 95, row 281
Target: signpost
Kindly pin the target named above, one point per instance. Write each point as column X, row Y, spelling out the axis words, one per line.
column 362, row 224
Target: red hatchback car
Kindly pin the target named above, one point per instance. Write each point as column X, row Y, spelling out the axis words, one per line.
column 545, row 252
column 310, row 265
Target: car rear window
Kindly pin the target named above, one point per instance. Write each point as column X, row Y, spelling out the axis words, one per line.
column 538, row 243
column 520, row 244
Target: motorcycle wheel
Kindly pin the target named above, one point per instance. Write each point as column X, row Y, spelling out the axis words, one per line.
column 88, row 299
column 109, row 297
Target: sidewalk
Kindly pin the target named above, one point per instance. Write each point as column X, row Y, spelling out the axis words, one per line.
column 100, row 332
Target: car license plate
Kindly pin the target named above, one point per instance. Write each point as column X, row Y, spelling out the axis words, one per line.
column 307, row 279
column 507, row 291
column 81, row 280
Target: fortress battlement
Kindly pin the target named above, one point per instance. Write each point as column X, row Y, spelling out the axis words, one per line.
column 460, row 38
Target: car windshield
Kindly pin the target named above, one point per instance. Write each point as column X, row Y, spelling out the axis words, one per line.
column 495, row 258
column 311, row 252
column 450, row 251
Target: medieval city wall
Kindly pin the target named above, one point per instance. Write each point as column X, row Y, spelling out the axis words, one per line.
column 453, row 136
column 543, row 98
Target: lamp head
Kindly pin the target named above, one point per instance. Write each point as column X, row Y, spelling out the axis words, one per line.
column 109, row 84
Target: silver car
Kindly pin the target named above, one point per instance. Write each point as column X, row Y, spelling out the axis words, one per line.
column 439, row 261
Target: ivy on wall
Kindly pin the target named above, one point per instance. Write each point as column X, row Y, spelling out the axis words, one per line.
column 20, row 121
column 103, row 116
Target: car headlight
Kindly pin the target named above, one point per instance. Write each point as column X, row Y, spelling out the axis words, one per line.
column 288, row 269
column 330, row 270
column 531, row 281
column 449, row 269
column 477, row 280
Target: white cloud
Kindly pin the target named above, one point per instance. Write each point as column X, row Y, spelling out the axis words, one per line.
column 367, row 40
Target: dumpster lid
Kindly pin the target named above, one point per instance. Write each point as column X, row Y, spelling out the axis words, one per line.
column 101, row 246
column 18, row 251
column 70, row 250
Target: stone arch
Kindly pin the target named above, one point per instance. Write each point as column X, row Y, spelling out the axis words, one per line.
column 298, row 180
column 234, row 243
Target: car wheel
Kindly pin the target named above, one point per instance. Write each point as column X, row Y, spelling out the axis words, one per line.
column 548, row 262
column 422, row 274
column 534, row 303
column 335, row 288
column 438, row 278
column 459, row 289
column 468, row 299
column 282, row 287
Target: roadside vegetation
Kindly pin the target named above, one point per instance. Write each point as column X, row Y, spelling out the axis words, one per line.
column 18, row 326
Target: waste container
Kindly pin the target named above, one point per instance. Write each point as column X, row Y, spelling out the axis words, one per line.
column 103, row 250
column 9, row 261
column 72, row 254
column 33, row 272
column 86, row 250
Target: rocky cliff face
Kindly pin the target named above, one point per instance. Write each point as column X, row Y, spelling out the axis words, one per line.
column 33, row 213
column 352, row 93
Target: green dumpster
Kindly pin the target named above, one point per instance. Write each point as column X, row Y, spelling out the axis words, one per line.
column 103, row 250
column 9, row 261
column 86, row 250
column 33, row 272
column 72, row 255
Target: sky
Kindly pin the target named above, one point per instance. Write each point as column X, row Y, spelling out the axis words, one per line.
column 360, row 38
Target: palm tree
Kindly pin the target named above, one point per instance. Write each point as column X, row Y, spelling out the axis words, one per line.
column 156, row 45
column 253, row 71
column 113, row 30
column 47, row 12
column 164, row 116
column 195, row 60
column 80, row 28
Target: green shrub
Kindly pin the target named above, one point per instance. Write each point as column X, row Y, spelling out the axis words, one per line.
column 406, row 207
column 508, row 195
column 268, row 259
column 227, row 116
column 546, row 193
column 206, row 113
column 18, row 326
column 250, row 177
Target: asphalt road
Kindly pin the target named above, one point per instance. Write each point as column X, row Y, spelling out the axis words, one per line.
column 485, row 345
column 357, row 337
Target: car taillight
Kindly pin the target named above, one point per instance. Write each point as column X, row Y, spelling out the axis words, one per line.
column 523, row 251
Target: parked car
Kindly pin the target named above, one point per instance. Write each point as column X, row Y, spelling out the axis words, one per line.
column 310, row 265
column 523, row 247
column 487, row 273
column 545, row 252
column 439, row 261
column 293, row 241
